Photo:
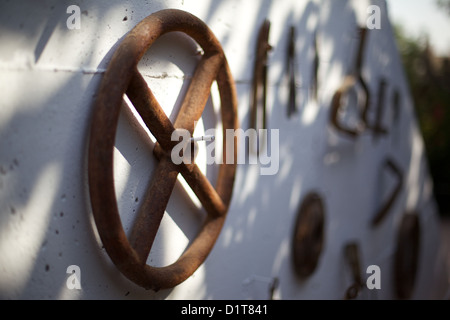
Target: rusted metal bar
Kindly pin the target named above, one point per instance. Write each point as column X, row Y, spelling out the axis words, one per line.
column 387, row 206
column 152, row 208
column 208, row 196
column 198, row 91
column 362, row 32
column 151, row 112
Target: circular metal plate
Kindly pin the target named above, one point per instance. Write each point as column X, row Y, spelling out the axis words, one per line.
column 308, row 235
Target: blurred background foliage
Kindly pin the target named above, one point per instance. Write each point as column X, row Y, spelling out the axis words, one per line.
column 444, row 4
column 429, row 81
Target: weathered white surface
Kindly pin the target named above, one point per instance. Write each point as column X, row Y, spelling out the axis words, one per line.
column 49, row 76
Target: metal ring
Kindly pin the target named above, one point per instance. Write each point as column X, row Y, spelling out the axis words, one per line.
column 122, row 76
column 258, row 117
column 352, row 255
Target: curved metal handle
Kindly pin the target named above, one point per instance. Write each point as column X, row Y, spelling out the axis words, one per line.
column 386, row 207
column 378, row 128
column 316, row 62
column 258, row 119
column 348, row 83
column 292, row 106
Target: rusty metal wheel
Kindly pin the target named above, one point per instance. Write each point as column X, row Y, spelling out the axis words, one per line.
column 122, row 77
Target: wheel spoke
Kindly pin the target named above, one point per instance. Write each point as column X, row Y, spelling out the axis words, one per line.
column 208, row 196
column 152, row 208
column 151, row 112
column 198, row 92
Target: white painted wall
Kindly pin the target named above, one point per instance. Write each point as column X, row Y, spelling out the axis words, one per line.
column 49, row 76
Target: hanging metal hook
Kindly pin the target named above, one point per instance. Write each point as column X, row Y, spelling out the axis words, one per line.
column 258, row 119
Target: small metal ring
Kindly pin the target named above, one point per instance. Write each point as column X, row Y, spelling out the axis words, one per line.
column 308, row 236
